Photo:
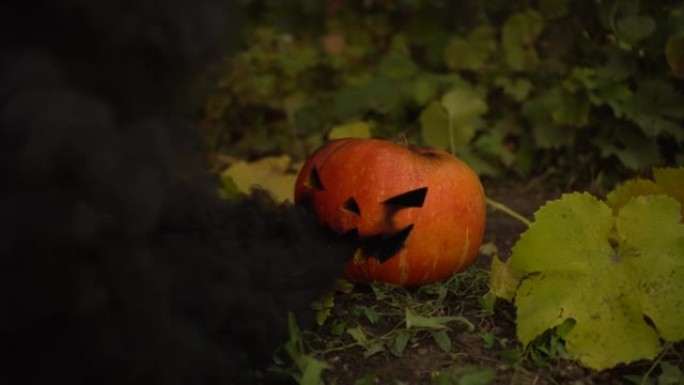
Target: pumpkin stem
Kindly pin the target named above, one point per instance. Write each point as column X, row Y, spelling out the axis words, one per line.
column 508, row 211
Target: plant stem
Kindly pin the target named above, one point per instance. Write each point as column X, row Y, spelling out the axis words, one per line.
column 656, row 362
column 508, row 211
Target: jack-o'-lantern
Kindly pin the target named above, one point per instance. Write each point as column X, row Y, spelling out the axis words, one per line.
column 417, row 214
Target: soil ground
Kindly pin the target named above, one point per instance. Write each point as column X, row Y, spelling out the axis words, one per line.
column 422, row 361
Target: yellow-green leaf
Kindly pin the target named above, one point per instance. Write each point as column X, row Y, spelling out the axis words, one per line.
column 270, row 173
column 434, row 124
column 652, row 247
column 464, row 108
column 575, row 272
column 671, row 181
column 312, row 371
column 503, row 279
column 629, row 190
column 358, row 129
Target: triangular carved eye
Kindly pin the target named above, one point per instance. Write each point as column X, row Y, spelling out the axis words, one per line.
column 413, row 198
column 314, row 180
column 351, row 206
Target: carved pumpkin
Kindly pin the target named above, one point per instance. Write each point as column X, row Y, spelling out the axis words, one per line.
column 417, row 214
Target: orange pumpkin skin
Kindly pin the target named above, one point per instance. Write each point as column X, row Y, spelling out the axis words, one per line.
column 373, row 189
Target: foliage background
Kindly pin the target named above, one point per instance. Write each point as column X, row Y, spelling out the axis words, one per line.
column 526, row 87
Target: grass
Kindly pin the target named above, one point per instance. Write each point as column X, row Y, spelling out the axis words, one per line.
column 448, row 333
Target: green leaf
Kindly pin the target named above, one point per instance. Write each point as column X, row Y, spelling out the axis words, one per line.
column 671, row 181
column 631, row 147
column 323, row 306
column 488, row 339
column 377, row 346
column 424, row 90
column 338, row 327
column 512, row 356
column 518, row 89
column 435, row 323
column 228, row 190
column 477, row 163
column 464, row 108
column 292, row 347
column 397, row 67
column 441, row 338
column 368, row 379
column 359, row 129
column 652, row 237
column 656, row 108
column 383, row 95
column 358, row 335
column 634, row 28
column 371, row 314
column 350, row 102
column 399, row 343
column 552, row 9
column 504, row 279
column 487, row 303
column 478, row 377
column 297, row 60
column 629, row 190
column 463, row 104
column 313, row 369
column 518, row 35
column 418, row 321
column 309, row 367
column 492, row 144
column 545, row 131
column 670, row 375
column 309, row 119
column 434, row 124
column 575, row 273
column 464, row 375
column 619, row 66
column 558, row 106
column 471, row 53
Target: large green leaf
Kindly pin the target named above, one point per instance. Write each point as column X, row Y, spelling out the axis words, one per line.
column 518, row 35
column 454, row 120
column 635, row 28
column 434, row 124
column 397, row 67
column 575, row 272
column 656, row 107
column 474, row 51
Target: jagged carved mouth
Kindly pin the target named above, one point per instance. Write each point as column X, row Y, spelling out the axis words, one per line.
column 382, row 246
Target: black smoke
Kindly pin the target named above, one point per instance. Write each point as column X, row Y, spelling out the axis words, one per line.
column 118, row 262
